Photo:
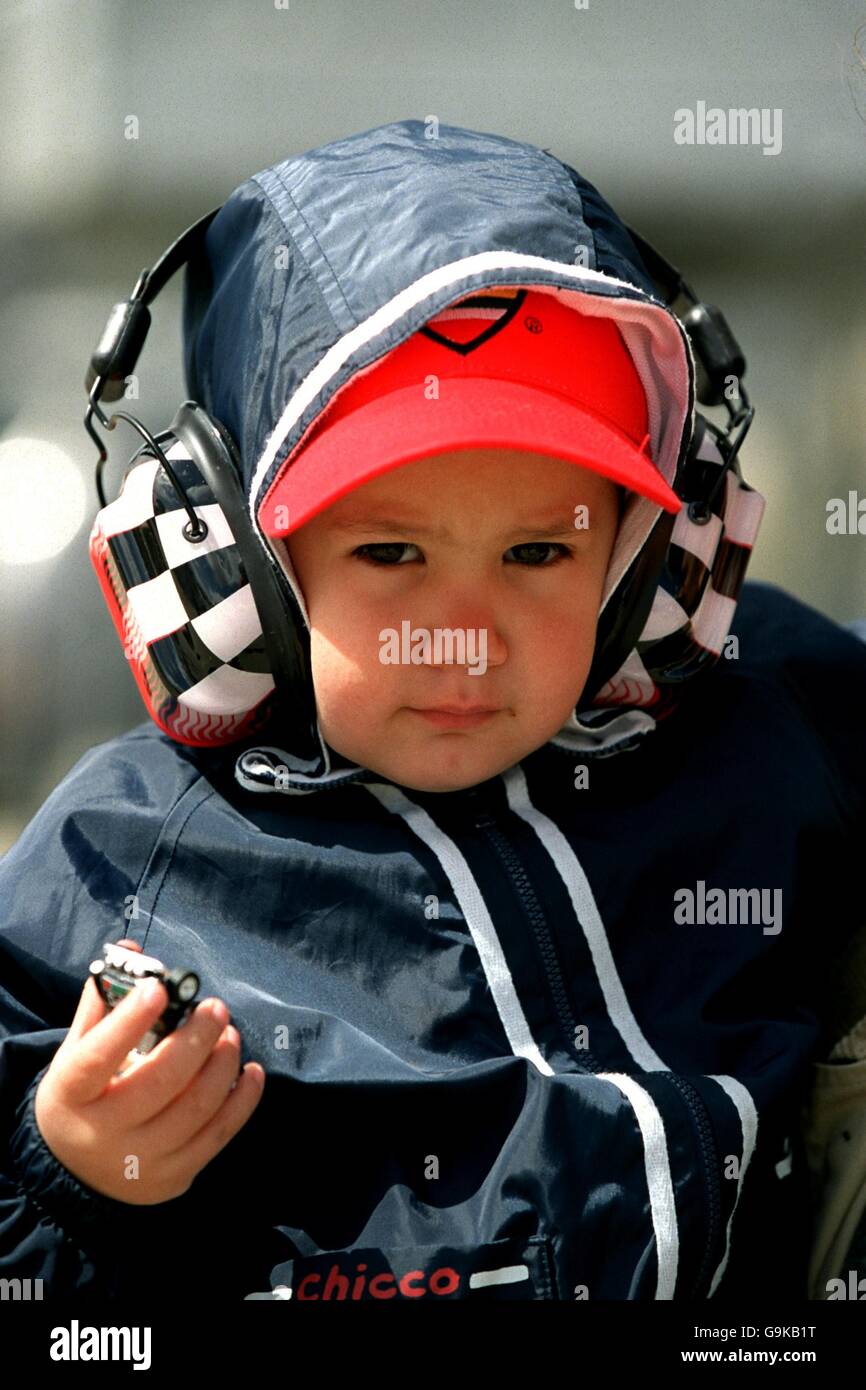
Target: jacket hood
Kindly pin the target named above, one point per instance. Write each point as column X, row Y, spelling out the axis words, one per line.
column 319, row 265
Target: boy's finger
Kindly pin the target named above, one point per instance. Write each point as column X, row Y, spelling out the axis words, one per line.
column 100, row 1051
column 91, row 1006
column 232, row 1115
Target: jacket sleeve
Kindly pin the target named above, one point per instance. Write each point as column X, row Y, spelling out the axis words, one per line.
column 44, row 1210
column 63, row 888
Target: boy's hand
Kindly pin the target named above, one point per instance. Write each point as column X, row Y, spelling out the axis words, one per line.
column 166, row 1117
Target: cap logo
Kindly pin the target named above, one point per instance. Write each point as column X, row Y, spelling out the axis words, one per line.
column 456, row 327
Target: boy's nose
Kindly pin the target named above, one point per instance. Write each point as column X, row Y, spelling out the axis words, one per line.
column 465, row 638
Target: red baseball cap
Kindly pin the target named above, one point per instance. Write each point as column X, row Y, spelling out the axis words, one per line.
column 513, row 368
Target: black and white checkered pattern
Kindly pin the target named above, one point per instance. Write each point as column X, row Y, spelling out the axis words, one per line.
column 185, row 612
column 696, row 598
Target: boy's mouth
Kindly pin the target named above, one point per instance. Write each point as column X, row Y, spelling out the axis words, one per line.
column 455, row 716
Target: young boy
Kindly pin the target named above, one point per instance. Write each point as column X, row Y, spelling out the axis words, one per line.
column 535, row 975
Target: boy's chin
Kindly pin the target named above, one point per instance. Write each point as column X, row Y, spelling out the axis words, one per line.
column 428, row 778
column 456, row 764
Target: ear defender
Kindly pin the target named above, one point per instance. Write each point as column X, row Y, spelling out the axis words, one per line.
column 671, row 613
column 209, row 624
column 201, row 620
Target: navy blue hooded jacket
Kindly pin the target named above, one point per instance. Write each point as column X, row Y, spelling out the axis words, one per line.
column 499, row 1064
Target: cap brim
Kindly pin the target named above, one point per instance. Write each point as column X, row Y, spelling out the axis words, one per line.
column 404, row 426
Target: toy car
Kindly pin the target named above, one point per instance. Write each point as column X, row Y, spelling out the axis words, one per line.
column 121, row 970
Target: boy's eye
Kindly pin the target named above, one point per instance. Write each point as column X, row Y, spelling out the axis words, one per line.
column 538, row 548
column 372, row 552
column 388, row 546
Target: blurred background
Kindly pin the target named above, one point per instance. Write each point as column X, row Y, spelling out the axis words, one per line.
column 123, row 122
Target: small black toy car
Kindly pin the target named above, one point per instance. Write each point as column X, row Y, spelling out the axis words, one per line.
column 120, row 970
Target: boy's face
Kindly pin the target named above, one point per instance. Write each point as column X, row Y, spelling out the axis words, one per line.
column 484, row 543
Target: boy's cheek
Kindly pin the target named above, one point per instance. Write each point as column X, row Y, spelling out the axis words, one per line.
column 352, row 687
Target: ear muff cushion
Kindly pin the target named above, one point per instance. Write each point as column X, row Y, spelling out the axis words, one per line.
column 184, row 613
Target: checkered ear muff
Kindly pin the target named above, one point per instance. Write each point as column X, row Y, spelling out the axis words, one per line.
column 702, row 567
column 202, row 623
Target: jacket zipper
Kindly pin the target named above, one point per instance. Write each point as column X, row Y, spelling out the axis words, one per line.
column 710, row 1155
column 523, row 889
column 486, row 823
